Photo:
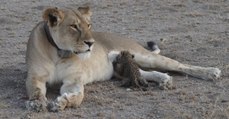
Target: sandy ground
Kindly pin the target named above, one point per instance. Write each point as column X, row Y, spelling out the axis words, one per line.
column 190, row 31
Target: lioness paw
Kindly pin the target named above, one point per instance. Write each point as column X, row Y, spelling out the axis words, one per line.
column 58, row 105
column 166, row 83
column 54, row 107
column 213, row 73
column 36, row 105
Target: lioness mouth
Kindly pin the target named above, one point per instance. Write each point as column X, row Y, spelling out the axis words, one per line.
column 75, row 52
column 82, row 52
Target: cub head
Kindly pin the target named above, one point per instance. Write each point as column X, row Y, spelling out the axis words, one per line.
column 124, row 57
column 70, row 29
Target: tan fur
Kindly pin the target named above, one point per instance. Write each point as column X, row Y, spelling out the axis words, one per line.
column 85, row 63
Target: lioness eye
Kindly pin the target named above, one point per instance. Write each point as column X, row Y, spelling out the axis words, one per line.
column 89, row 26
column 74, row 26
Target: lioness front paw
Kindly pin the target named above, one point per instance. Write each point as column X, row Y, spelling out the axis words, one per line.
column 54, row 107
column 36, row 105
column 213, row 73
column 58, row 105
column 166, row 83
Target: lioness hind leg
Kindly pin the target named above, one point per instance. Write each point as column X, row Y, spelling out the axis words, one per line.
column 163, row 79
column 36, row 90
column 201, row 72
column 71, row 96
column 150, row 60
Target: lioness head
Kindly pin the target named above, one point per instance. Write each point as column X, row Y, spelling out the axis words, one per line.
column 70, row 28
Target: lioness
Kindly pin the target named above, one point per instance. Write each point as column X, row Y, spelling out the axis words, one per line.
column 62, row 48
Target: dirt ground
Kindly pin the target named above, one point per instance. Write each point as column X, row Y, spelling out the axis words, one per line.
column 191, row 31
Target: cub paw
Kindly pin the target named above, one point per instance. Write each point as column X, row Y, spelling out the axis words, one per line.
column 36, row 105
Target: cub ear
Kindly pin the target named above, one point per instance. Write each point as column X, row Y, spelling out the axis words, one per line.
column 86, row 12
column 53, row 16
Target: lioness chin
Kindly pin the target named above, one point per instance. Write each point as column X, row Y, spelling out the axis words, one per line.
column 63, row 49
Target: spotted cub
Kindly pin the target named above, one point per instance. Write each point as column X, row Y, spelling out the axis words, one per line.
column 127, row 70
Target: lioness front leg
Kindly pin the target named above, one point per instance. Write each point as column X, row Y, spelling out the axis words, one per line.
column 150, row 60
column 36, row 89
column 72, row 94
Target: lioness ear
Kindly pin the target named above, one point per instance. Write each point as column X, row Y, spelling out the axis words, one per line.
column 86, row 12
column 53, row 16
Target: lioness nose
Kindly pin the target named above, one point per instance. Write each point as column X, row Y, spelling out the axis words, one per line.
column 89, row 43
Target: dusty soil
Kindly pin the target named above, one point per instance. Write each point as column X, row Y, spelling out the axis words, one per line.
column 190, row 31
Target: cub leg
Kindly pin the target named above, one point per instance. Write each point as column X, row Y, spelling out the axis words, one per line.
column 36, row 89
column 163, row 79
column 72, row 94
column 150, row 60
